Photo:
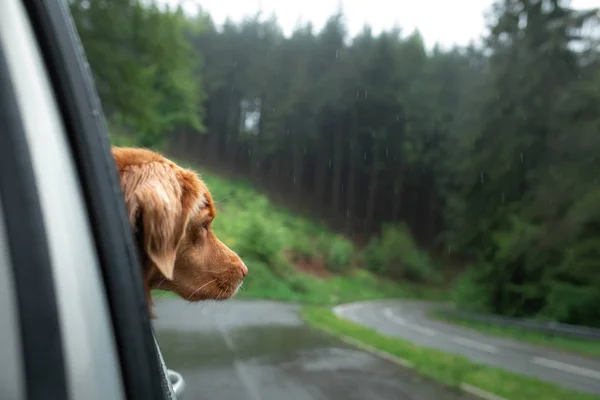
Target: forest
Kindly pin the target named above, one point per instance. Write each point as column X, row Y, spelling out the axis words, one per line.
column 488, row 154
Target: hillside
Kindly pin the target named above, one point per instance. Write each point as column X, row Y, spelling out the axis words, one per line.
column 292, row 258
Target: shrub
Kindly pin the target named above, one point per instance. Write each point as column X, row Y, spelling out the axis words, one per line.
column 469, row 293
column 259, row 241
column 301, row 245
column 339, row 256
column 372, row 257
column 395, row 253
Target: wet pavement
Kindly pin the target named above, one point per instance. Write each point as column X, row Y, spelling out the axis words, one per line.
column 261, row 350
column 409, row 320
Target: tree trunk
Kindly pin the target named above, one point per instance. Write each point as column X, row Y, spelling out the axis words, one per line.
column 372, row 193
column 233, row 132
column 336, row 185
column 350, row 201
column 398, row 192
column 432, row 213
column 213, row 153
column 298, row 162
column 255, row 144
column 320, row 175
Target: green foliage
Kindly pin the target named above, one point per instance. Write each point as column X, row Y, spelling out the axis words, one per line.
column 521, row 187
column 340, row 255
column 396, row 251
column 470, row 293
column 143, row 65
column 259, row 240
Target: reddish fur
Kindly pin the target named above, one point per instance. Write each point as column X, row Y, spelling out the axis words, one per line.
column 177, row 237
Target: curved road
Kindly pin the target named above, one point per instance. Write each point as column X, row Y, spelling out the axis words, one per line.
column 261, row 350
column 408, row 320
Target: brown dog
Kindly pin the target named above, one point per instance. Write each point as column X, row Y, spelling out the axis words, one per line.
column 171, row 212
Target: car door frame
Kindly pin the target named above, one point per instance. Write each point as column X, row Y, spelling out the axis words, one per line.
column 82, row 117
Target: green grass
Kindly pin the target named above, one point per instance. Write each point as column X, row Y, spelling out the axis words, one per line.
column 575, row 345
column 447, row 368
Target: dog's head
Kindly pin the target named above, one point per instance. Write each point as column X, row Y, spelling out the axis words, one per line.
column 172, row 212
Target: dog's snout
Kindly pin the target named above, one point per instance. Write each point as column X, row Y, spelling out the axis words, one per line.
column 244, row 269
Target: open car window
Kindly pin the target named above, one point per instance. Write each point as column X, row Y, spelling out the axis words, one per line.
column 76, row 321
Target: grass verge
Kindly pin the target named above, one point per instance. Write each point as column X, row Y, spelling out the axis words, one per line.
column 450, row 369
column 564, row 343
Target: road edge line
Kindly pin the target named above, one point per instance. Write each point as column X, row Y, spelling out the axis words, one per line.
column 465, row 387
column 475, row 391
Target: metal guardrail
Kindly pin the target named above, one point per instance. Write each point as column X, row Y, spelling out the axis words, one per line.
column 550, row 328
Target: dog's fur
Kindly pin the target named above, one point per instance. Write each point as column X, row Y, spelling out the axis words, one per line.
column 171, row 211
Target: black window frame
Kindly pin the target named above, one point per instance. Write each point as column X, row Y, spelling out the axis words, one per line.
column 43, row 361
column 82, row 115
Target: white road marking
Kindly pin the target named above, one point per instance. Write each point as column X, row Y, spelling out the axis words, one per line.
column 345, row 308
column 482, row 394
column 423, row 330
column 474, row 344
column 389, row 314
column 573, row 369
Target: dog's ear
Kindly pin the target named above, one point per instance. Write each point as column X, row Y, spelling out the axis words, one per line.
column 156, row 194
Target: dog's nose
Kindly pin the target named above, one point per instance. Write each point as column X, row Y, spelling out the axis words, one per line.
column 244, row 269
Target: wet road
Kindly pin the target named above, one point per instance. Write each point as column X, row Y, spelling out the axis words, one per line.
column 261, row 350
column 408, row 319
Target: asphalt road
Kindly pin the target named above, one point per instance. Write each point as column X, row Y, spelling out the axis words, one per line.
column 408, row 319
column 260, row 350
